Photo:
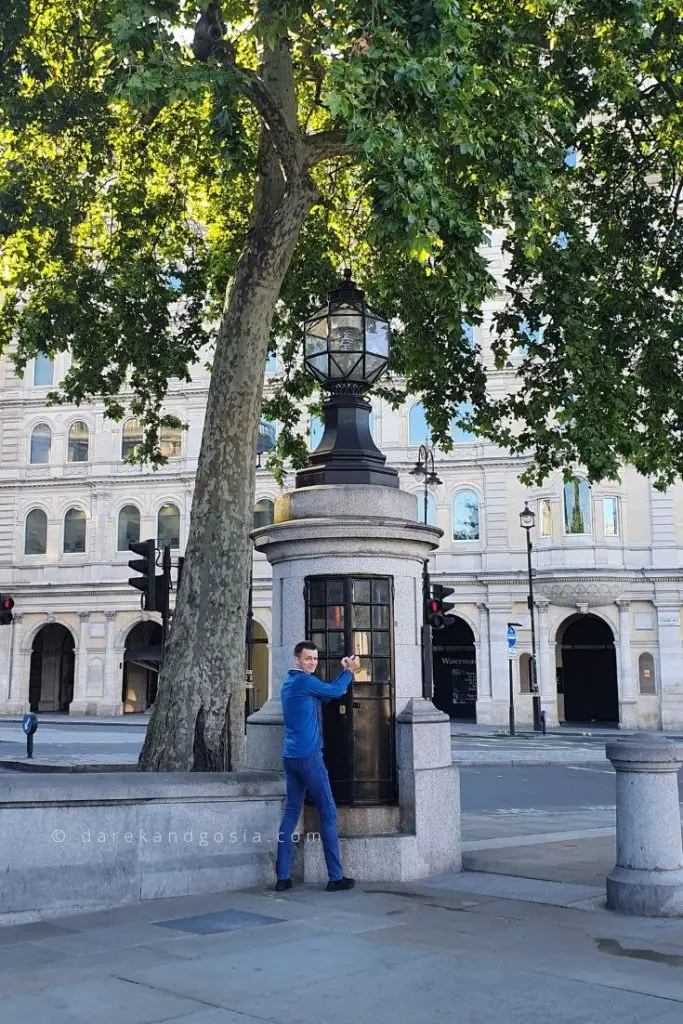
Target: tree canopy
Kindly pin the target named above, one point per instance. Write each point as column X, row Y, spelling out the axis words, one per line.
column 131, row 137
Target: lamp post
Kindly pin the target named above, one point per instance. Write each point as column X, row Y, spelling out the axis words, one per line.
column 527, row 520
column 425, row 460
column 346, row 349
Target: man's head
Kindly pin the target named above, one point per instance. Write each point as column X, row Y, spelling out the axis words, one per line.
column 306, row 656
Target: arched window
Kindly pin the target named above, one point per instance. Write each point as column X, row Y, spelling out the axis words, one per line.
column 170, row 441
column 129, row 527
column 466, row 516
column 77, row 448
column 431, row 508
column 35, row 533
column 168, row 526
column 461, row 434
column 41, row 440
column 131, row 437
column 74, row 532
column 418, row 428
column 43, row 371
column 315, row 432
column 646, row 674
column 263, row 513
column 577, row 507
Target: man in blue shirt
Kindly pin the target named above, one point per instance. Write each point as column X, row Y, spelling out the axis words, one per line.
column 301, row 696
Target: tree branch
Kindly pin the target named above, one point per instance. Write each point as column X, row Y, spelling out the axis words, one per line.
column 325, row 145
column 287, row 144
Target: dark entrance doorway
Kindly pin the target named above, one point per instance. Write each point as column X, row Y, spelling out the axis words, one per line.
column 51, row 678
column 141, row 667
column 587, row 683
column 454, row 661
column 347, row 615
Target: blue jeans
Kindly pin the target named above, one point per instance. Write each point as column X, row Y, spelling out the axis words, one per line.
column 301, row 774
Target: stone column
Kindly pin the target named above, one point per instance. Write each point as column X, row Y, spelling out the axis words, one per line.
column 111, row 703
column 628, row 699
column 18, row 681
column 79, row 704
column 670, row 662
column 483, row 665
column 648, row 877
column 497, row 711
column 546, row 685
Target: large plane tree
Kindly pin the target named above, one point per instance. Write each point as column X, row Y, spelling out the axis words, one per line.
column 180, row 178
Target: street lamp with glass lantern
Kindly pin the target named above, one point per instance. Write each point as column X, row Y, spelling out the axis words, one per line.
column 425, row 460
column 527, row 520
column 346, row 349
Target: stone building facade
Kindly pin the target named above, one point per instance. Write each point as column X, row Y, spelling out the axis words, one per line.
column 607, row 560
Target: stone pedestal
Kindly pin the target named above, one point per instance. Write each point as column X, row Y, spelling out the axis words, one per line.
column 648, row 876
column 365, row 529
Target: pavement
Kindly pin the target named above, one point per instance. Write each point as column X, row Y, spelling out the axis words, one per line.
column 521, row 937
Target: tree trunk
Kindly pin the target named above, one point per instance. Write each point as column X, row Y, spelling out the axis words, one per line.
column 198, row 719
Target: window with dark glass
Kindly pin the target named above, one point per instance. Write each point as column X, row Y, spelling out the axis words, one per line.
column 168, row 526
column 577, row 512
column 77, row 449
column 263, row 513
column 170, row 442
column 351, row 615
column 129, row 527
column 131, row 437
column 74, row 532
column 466, row 516
column 41, row 442
column 35, row 536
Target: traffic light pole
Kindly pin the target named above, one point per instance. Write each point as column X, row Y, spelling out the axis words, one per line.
column 165, row 599
column 427, row 665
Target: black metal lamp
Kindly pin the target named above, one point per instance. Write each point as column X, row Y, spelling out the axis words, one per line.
column 346, row 349
column 425, row 460
column 527, row 520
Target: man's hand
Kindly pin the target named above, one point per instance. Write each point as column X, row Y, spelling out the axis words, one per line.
column 351, row 662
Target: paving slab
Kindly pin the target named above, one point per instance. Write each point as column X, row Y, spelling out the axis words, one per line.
column 582, row 862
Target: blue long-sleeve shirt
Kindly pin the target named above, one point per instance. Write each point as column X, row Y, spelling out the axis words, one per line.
column 301, row 696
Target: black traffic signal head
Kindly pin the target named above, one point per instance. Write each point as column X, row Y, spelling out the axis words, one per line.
column 6, row 606
column 437, row 608
column 145, row 565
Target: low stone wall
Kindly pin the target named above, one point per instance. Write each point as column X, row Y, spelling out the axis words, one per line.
column 80, row 842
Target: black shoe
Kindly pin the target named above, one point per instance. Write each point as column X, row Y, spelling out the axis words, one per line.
column 341, row 883
column 282, row 884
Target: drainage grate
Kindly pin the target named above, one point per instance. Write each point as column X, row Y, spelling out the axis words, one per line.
column 219, row 921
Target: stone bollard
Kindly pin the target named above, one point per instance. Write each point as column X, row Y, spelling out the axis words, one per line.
column 648, row 876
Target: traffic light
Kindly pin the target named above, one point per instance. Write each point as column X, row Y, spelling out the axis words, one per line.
column 146, row 582
column 6, row 606
column 437, row 608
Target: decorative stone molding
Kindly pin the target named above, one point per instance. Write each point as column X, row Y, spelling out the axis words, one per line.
column 575, row 593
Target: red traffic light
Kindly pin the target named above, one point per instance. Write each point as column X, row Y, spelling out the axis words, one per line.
column 7, row 604
column 433, row 605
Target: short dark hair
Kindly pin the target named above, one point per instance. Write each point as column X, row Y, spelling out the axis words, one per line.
column 304, row 645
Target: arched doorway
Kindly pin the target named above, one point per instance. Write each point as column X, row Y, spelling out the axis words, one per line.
column 51, row 678
column 587, row 672
column 454, row 662
column 141, row 667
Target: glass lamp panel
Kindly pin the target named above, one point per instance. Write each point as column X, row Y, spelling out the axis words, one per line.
column 380, row 644
column 318, row 364
column 380, row 591
column 380, row 617
column 335, row 616
column 316, row 592
column 318, row 619
column 335, row 592
column 377, row 336
column 343, row 364
column 316, row 340
column 346, row 330
column 374, row 366
column 336, row 645
column 381, row 670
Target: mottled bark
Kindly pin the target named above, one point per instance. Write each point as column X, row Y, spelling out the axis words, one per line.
column 198, row 720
